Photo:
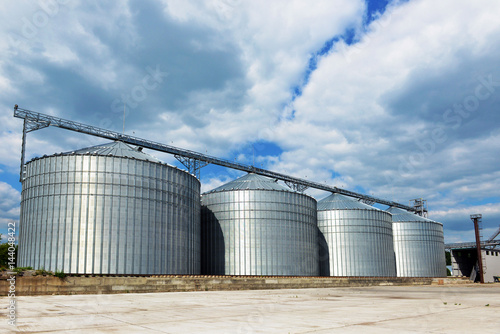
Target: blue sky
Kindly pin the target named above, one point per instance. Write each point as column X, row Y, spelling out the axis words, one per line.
column 396, row 99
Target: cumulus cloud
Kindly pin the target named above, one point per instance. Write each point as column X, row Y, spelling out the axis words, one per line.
column 9, row 204
column 275, row 41
column 400, row 108
column 377, row 110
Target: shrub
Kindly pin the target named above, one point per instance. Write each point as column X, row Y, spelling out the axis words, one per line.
column 42, row 271
column 60, row 274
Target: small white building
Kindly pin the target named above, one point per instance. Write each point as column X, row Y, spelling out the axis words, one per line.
column 464, row 262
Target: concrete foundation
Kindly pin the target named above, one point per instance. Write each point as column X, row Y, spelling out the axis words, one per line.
column 49, row 285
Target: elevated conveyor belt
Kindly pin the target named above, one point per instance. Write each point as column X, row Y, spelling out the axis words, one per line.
column 193, row 160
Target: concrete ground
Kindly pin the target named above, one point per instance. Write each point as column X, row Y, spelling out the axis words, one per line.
column 386, row 309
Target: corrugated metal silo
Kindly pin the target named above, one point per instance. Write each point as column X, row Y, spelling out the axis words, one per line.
column 418, row 244
column 109, row 209
column 357, row 238
column 255, row 226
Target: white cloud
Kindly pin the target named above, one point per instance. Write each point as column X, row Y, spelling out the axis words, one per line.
column 452, row 236
column 490, row 212
column 276, row 40
column 346, row 114
column 9, row 204
column 467, row 233
column 232, row 66
column 273, row 43
column 10, row 148
column 215, row 182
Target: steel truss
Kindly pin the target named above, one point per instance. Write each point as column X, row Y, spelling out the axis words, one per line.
column 192, row 160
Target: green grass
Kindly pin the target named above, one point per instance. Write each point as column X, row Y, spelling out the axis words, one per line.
column 60, row 274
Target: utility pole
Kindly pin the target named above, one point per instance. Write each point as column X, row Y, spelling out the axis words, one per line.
column 477, row 219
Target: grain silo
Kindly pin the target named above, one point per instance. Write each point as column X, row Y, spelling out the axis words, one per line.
column 109, row 209
column 418, row 244
column 357, row 238
column 255, row 226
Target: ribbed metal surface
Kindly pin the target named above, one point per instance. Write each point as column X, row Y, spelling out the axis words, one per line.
column 116, row 149
column 418, row 244
column 88, row 213
column 253, row 182
column 355, row 239
column 254, row 226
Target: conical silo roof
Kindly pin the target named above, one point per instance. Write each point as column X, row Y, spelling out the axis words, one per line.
column 400, row 215
column 252, row 182
column 115, row 149
column 340, row 202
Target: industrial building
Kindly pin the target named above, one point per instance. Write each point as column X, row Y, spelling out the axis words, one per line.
column 465, row 262
column 109, row 209
column 255, row 226
column 113, row 209
column 357, row 238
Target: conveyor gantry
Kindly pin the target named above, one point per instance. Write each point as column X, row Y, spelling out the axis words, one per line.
column 192, row 160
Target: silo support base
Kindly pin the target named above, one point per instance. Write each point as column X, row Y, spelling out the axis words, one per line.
column 48, row 285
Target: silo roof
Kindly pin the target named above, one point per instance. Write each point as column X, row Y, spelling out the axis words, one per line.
column 115, row 149
column 340, row 202
column 252, row 182
column 400, row 215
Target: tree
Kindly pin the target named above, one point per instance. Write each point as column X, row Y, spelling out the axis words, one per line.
column 4, row 254
column 448, row 258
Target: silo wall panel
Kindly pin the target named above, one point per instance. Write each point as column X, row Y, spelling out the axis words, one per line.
column 356, row 243
column 259, row 232
column 419, row 248
column 109, row 215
